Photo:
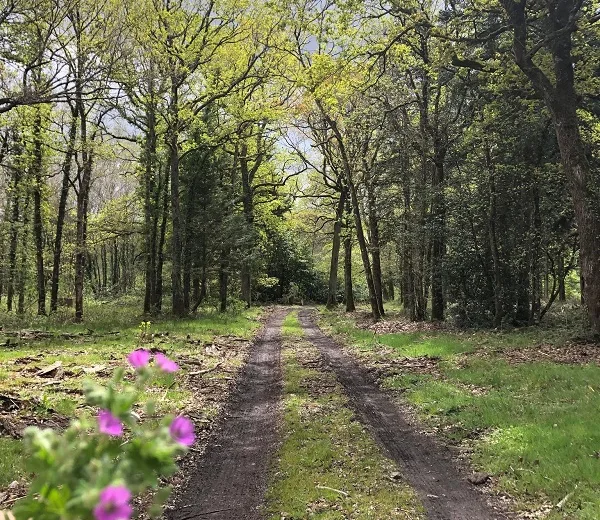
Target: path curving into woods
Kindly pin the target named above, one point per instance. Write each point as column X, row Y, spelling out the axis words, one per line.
column 443, row 490
column 231, row 478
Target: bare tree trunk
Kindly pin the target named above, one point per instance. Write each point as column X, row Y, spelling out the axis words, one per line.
column 498, row 292
column 14, row 237
column 223, row 280
column 335, row 251
column 62, row 211
column 22, row 279
column 438, row 249
column 348, row 290
column 562, row 293
column 248, row 206
column 38, row 225
column 178, row 305
column 150, row 205
column 358, row 224
column 160, row 250
column 375, row 246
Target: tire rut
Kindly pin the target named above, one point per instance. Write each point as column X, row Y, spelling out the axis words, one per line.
column 231, row 477
column 443, row 490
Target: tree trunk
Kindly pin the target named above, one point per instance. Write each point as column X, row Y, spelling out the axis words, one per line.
column 561, row 99
column 223, row 281
column 62, row 211
column 160, row 250
column 498, row 292
column 375, row 246
column 22, row 279
column 358, row 224
column 438, row 248
column 335, row 251
column 14, row 237
column 348, row 291
column 38, row 225
column 562, row 293
column 178, row 306
column 150, row 205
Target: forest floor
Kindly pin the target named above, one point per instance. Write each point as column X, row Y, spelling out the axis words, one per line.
column 352, row 420
column 519, row 407
column 44, row 361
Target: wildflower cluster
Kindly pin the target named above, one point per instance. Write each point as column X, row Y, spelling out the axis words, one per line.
column 96, row 466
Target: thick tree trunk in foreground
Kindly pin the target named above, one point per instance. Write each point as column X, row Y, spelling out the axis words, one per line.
column 561, row 99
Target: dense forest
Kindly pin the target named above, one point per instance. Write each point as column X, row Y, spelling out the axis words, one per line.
column 227, row 152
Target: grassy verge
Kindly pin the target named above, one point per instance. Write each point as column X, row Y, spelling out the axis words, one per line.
column 209, row 342
column 532, row 425
column 329, row 467
column 291, row 326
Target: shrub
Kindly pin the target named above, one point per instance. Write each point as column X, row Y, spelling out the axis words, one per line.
column 94, row 468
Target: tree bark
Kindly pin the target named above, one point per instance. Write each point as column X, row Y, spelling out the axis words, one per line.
column 14, row 237
column 223, row 281
column 561, row 99
column 375, row 245
column 22, row 278
column 160, row 250
column 358, row 224
column 498, row 292
column 438, row 247
column 335, row 252
column 38, row 225
column 348, row 290
column 62, row 211
column 150, row 205
column 178, row 306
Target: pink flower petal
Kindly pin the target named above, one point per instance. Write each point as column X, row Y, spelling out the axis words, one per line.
column 113, row 504
column 182, row 431
column 165, row 364
column 109, row 424
column 139, row 358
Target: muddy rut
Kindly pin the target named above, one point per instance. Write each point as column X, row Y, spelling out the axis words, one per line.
column 230, row 480
column 444, row 491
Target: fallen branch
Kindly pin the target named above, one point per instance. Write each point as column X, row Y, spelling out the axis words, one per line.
column 561, row 504
column 206, row 371
column 334, row 490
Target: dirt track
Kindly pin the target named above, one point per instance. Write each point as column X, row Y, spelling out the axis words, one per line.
column 444, row 491
column 231, row 478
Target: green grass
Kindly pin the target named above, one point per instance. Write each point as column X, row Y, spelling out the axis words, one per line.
column 11, row 461
column 291, row 326
column 325, row 447
column 430, row 343
column 535, row 425
column 185, row 337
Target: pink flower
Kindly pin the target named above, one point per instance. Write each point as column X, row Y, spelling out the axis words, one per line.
column 165, row 364
column 114, row 504
column 182, row 431
column 109, row 424
column 139, row 358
